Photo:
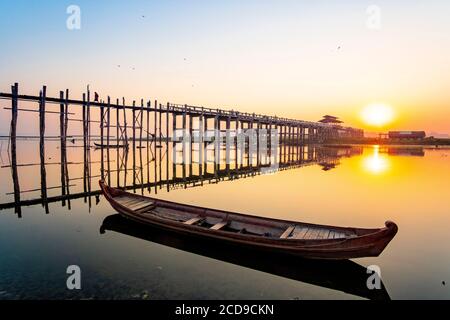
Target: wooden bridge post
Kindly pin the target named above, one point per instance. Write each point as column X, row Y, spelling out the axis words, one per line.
column 42, row 95
column 125, row 125
column 66, row 115
column 66, row 128
column 174, row 145
column 15, row 176
column 251, row 141
column 167, row 146
column 148, row 144
column 155, row 106
column 258, row 146
column 108, row 125
column 88, row 119
column 284, row 127
column 183, row 146
column 236, row 143
column 303, row 134
column 134, row 144
column 206, row 145
column 102, row 126
column 228, row 143
column 200, row 143
column 141, row 124
column 269, row 141
column 216, row 141
column 160, row 135
column 191, row 140
column 290, row 144
column 298, row 142
column 62, row 145
column 134, row 129
column 84, row 120
column 148, row 127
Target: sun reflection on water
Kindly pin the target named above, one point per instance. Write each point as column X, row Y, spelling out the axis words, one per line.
column 376, row 163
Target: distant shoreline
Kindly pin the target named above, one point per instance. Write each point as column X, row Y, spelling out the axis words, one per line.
column 391, row 142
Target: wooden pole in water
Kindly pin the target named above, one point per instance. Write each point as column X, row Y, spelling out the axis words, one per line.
column 279, row 129
column 108, row 118
column 216, row 143
column 141, row 124
column 134, row 145
column 228, row 144
column 205, row 145
column 174, row 147
column 15, row 176
column 269, row 142
column 258, row 127
column 148, row 144
column 62, row 146
column 236, row 143
column 66, row 115
column 84, row 120
column 134, row 132
column 102, row 126
column 108, row 126
column 43, row 94
column 156, row 141
column 160, row 151
column 285, row 142
column 117, row 123
column 148, row 125
column 183, row 143
column 88, row 118
column 167, row 147
column 290, row 144
column 125, row 126
column 66, row 128
column 117, row 140
column 191, row 145
column 200, row 146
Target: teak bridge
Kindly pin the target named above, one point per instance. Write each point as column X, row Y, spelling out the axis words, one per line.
column 289, row 130
column 154, row 126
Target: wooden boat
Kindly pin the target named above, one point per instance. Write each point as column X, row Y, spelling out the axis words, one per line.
column 341, row 275
column 115, row 146
column 291, row 237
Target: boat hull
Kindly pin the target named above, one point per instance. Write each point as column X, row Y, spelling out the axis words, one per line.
column 367, row 245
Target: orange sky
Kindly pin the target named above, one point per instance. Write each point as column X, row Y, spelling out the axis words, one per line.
column 289, row 59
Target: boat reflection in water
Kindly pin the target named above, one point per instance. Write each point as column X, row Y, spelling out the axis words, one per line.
column 343, row 275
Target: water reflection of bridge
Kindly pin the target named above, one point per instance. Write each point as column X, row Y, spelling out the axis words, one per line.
column 168, row 167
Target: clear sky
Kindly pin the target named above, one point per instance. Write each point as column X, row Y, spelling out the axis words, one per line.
column 299, row 59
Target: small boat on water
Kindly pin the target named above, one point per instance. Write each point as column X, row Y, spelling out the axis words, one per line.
column 341, row 275
column 291, row 237
column 115, row 146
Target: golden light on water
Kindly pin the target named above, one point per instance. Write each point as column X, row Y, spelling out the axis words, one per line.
column 377, row 114
column 376, row 163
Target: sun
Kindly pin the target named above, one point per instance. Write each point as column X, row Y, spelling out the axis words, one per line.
column 377, row 114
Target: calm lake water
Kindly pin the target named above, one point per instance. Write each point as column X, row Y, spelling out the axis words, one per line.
column 358, row 186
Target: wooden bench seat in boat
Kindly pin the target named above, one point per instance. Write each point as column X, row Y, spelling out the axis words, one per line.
column 306, row 232
column 194, row 220
column 219, row 225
